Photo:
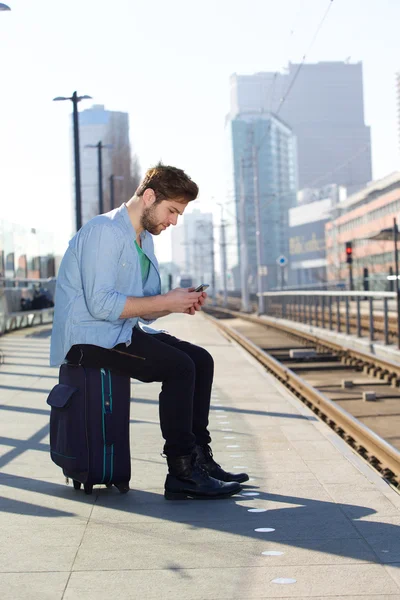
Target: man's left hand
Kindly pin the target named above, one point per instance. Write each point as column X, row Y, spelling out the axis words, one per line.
column 197, row 305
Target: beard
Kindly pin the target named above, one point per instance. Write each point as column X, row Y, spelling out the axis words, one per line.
column 148, row 220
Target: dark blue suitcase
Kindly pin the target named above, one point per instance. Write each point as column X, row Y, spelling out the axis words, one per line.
column 89, row 427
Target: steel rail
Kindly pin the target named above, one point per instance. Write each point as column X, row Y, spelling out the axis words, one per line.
column 381, row 455
column 387, row 368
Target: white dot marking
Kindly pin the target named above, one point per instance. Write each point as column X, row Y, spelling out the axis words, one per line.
column 272, row 553
column 264, row 529
column 256, row 510
column 284, row 580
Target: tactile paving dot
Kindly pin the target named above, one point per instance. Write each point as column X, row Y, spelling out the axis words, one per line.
column 233, row 446
column 240, row 467
column 257, row 510
column 229, row 437
column 250, row 493
column 272, row 553
column 284, row 580
column 226, row 429
column 264, row 529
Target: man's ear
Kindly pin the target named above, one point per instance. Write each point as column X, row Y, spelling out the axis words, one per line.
column 149, row 197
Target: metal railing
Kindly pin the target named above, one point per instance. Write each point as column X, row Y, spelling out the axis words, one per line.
column 363, row 314
column 19, row 302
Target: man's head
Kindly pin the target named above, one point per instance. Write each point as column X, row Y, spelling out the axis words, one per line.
column 165, row 192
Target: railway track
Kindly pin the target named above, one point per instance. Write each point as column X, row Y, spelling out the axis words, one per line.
column 356, row 394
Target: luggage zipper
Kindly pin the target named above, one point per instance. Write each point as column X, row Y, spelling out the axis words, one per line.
column 106, row 393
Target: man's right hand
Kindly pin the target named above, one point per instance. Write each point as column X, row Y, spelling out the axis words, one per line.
column 180, row 300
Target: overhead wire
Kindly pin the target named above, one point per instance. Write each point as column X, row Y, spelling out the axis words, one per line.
column 293, row 81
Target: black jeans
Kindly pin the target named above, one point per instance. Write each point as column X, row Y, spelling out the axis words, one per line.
column 185, row 370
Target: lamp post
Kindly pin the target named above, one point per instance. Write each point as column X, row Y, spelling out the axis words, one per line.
column 99, row 147
column 75, row 122
column 112, row 178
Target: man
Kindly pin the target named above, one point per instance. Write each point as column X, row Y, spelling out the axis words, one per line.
column 108, row 291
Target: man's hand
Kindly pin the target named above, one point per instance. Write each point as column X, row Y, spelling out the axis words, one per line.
column 197, row 305
column 180, row 300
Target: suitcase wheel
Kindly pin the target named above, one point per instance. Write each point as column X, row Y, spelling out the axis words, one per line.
column 77, row 484
column 88, row 488
column 122, row 487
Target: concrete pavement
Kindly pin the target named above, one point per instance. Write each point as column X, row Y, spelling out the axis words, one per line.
column 314, row 521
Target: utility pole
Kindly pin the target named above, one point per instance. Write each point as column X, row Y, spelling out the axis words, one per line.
column 223, row 258
column 100, row 173
column 100, row 146
column 214, row 291
column 259, row 236
column 112, row 200
column 77, row 164
column 112, row 179
column 244, row 259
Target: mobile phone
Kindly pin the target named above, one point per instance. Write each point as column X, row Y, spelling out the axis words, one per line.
column 202, row 287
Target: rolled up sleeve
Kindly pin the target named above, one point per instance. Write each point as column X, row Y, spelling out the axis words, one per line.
column 99, row 253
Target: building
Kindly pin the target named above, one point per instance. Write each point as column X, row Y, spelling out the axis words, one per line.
column 27, row 253
column 111, row 128
column 358, row 219
column 178, row 248
column 307, row 245
column 263, row 148
column 193, row 247
column 323, row 104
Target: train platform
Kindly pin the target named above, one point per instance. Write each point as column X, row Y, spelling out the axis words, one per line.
column 314, row 521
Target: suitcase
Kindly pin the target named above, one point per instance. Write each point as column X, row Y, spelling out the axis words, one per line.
column 89, row 427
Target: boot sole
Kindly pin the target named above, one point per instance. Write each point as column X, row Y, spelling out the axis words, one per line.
column 242, row 479
column 194, row 496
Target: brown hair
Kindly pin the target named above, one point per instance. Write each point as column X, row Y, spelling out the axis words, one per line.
column 168, row 183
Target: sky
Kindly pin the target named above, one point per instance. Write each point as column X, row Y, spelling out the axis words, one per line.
column 168, row 65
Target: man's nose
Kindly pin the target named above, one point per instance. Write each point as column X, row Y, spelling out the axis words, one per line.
column 173, row 219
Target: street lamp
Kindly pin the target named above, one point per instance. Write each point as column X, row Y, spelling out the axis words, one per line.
column 78, row 198
column 112, row 178
column 4, row 7
column 99, row 147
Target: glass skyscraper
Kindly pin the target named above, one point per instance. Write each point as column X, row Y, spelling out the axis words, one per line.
column 263, row 148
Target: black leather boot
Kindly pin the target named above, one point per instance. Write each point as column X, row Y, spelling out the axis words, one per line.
column 187, row 479
column 206, row 460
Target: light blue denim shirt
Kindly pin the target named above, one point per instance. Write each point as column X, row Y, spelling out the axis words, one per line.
column 99, row 270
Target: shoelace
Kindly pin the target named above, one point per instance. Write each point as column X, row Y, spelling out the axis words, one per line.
column 199, row 467
column 208, row 454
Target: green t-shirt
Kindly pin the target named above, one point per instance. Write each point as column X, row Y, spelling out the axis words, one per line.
column 144, row 262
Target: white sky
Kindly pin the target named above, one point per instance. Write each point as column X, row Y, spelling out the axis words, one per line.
column 168, row 65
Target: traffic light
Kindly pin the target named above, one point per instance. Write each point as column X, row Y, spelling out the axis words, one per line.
column 349, row 252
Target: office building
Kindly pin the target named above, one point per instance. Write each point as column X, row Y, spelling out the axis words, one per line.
column 193, row 247
column 359, row 218
column 323, row 104
column 112, row 128
column 263, row 147
column 307, row 245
